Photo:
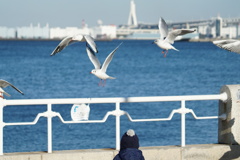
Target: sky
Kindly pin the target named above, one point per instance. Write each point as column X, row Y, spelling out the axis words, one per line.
column 70, row 13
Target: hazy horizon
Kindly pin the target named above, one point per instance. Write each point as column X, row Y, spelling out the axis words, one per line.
column 56, row 13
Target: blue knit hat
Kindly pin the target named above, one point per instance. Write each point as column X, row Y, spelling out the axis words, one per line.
column 129, row 140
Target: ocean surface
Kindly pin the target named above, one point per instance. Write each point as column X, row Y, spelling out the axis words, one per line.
column 140, row 70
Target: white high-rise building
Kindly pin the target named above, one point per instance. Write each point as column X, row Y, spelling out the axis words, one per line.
column 132, row 19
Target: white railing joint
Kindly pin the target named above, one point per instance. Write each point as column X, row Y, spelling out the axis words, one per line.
column 117, row 112
column 224, row 97
column 49, row 114
column 183, row 110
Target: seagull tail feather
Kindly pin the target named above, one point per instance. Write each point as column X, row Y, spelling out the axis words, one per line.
column 111, row 77
column 175, row 49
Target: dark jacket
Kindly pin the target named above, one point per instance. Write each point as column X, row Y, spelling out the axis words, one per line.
column 129, row 154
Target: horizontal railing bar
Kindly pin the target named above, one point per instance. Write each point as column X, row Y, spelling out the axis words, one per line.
column 222, row 96
column 61, row 119
column 88, row 121
column 155, row 119
column 223, row 116
column 208, row 117
column 111, row 113
column 25, row 123
column 170, row 117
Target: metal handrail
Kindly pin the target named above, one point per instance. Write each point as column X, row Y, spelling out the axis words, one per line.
column 222, row 96
column 49, row 114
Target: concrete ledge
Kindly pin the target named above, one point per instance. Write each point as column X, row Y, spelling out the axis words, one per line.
column 190, row 152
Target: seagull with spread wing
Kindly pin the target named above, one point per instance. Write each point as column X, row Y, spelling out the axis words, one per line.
column 4, row 84
column 100, row 71
column 167, row 38
column 229, row 45
column 77, row 38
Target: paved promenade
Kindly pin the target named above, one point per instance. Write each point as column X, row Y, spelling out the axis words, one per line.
column 189, row 152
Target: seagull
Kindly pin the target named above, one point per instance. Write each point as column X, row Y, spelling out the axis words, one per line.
column 229, row 45
column 167, row 38
column 4, row 84
column 100, row 71
column 77, row 38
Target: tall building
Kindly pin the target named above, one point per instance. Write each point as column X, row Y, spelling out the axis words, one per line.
column 132, row 19
column 218, row 26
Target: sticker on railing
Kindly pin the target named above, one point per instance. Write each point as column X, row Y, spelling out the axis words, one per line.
column 80, row 112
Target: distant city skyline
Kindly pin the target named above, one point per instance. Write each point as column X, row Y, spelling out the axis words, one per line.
column 15, row 13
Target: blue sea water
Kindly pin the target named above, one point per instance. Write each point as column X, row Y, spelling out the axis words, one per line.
column 140, row 70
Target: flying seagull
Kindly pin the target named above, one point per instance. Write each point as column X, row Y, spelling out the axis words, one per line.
column 167, row 38
column 4, row 84
column 229, row 45
column 77, row 38
column 100, row 71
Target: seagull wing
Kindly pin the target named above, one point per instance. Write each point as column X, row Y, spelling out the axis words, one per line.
column 220, row 43
column 93, row 58
column 177, row 32
column 232, row 47
column 109, row 59
column 163, row 29
column 4, row 84
column 64, row 43
column 91, row 43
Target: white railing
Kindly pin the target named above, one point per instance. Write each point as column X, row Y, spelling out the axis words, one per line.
column 49, row 114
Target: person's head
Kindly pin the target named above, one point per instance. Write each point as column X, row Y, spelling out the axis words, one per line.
column 129, row 140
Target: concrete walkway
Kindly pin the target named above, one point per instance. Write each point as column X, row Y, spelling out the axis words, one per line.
column 190, row 152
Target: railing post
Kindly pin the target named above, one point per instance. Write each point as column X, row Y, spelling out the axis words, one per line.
column 229, row 128
column 1, row 123
column 183, row 124
column 49, row 120
column 118, row 127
